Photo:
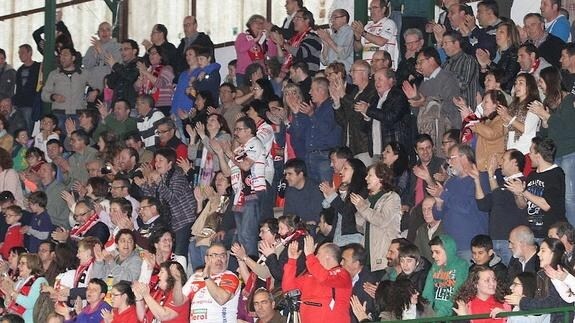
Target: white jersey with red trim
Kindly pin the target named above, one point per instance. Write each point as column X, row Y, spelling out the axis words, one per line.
column 203, row 307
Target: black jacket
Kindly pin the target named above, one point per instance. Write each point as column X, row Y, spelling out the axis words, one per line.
column 122, row 79
column 202, row 40
column 508, row 65
column 364, row 276
column 347, row 211
column 352, row 121
column 514, row 268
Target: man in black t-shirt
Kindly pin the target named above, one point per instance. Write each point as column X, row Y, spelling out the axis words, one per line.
column 543, row 194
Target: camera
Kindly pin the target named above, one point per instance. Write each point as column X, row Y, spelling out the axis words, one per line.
column 291, row 301
column 106, row 170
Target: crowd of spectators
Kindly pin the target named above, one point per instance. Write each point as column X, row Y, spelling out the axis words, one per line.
column 432, row 176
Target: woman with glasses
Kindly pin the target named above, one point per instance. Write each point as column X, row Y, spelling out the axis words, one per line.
column 123, row 305
column 523, row 285
column 160, row 251
column 20, row 297
column 156, row 79
column 166, row 302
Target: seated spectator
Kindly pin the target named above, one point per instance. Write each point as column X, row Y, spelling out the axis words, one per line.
column 159, row 252
column 523, row 285
column 228, row 106
column 325, row 282
column 74, row 168
column 123, row 305
column 11, row 265
column 264, row 306
column 428, row 230
column 352, row 176
column 325, row 229
column 29, row 177
column 88, row 224
column 213, row 292
column 302, row 196
column 413, row 266
column 21, row 144
column 14, row 237
column 479, row 294
column 166, row 137
column 482, row 254
column 378, row 217
column 564, row 232
column 134, row 140
column 95, row 294
column 6, row 138
column 40, row 225
column 447, row 275
column 546, row 294
column 353, row 259
column 150, row 221
column 126, row 265
column 87, row 120
column 21, row 296
column 524, row 248
column 396, row 157
column 213, row 202
column 148, row 115
column 166, row 301
column 119, row 121
column 56, row 206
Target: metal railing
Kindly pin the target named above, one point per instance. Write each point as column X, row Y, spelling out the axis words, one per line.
column 565, row 310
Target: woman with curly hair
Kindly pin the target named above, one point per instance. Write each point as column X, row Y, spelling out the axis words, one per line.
column 378, row 216
column 352, row 181
column 480, row 294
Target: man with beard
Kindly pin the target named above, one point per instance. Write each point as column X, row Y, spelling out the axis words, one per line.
column 213, row 292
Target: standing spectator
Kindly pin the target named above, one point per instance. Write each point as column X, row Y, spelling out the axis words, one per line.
column 95, row 58
column 543, row 193
column 317, row 122
column 246, row 166
column 166, row 137
column 26, row 81
column 546, row 43
column 13, row 237
column 484, row 255
column 406, row 69
column 147, row 120
column 65, row 87
column 325, row 282
column 159, row 38
column 118, row 122
column 134, row 140
column 170, row 185
column 228, row 106
column 124, row 73
column 482, row 38
column 344, row 104
column 379, row 33
column 530, row 61
column 192, row 37
column 455, row 204
column 462, row 65
column 507, row 41
column 556, row 23
column 7, row 76
column 156, row 79
column 504, row 215
column 56, row 206
column 252, row 46
column 378, row 216
column 353, row 260
column 337, row 46
column 302, row 196
column 40, row 223
column 303, row 46
column 15, row 117
column 74, row 169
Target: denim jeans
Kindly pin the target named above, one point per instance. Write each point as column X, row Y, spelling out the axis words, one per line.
column 319, row 166
column 247, row 225
column 567, row 163
column 182, row 240
column 501, row 248
column 196, row 255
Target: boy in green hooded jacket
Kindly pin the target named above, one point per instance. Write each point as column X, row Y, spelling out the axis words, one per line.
column 447, row 274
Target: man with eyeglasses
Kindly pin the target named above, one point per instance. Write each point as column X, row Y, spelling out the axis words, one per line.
column 159, row 38
column 124, row 73
column 214, row 291
column 337, row 45
column 88, row 224
column 150, row 220
column 413, row 40
column 379, row 33
column 166, row 137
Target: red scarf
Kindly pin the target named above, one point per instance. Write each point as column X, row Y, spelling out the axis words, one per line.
column 78, row 231
column 295, row 41
column 155, row 279
column 16, row 308
column 159, row 296
column 147, row 87
column 81, row 273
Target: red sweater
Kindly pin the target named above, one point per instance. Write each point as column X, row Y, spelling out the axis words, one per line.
column 14, row 238
column 478, row 306
column 318, row 285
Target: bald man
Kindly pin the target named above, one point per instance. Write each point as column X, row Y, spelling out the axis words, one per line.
column 94, row 61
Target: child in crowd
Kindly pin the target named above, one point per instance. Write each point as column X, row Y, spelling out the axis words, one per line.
column 21, row 144
column 482, row 254
column 446, row 276
column 40, row 223
column 13, row 238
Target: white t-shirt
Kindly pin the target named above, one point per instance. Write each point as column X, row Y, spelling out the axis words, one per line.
column 387, row 29
column 203, row 307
